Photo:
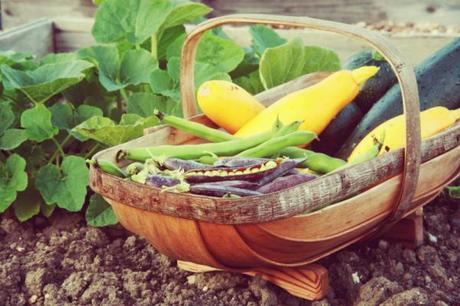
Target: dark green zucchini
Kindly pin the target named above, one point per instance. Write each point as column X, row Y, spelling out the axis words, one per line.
column 338, row 130
column 375, row 87
column 333, row 137
column 438, row 80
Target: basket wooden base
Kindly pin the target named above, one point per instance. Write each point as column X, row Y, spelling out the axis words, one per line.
column 311, row 282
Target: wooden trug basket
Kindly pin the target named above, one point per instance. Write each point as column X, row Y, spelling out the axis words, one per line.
column 280, row 235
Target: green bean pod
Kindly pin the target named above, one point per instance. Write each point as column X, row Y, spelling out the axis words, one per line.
column 194, row 128
column 318, row 162
column 108, row 167
column 276, row 144
column 194, row 151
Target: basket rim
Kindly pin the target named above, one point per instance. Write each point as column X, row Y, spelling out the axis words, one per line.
column 269, row 207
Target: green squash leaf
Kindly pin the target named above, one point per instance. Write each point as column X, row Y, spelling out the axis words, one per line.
column 47, row 210
column 133, row 20
column 281, row 64
column 161, row 82
column 37, row 123
column 222, row 54
column 99, row 212
column 11, row 58
column 320, row 59
column 167, row 38
column 251, row 82
column 184, row 12
column 53, row 58
column 65, row 186
column 13, row 178
column 12, row 138
column 142, row 104
column 62, row 115
column 133, row 68
column 264, row 37
column 46, row 81
column 104, row 130
column 6, row 117
column 27, row 204
column 291, row 60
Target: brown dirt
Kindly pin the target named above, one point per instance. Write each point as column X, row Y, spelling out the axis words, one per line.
column 63, row 262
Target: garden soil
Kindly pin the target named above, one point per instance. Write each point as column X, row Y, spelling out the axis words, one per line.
column 62, row 261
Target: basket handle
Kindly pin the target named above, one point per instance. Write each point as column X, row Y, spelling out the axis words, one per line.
column 404, row 73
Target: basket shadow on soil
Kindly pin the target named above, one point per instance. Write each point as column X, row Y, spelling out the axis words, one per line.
column 62, row 261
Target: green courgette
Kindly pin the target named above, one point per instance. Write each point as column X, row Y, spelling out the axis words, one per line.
column 438, row 80
column 333, row 137
column 375, row 87
column 338, row 130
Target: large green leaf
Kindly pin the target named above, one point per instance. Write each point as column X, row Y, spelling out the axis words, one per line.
column 183, row 12
column 12, row 138
column 167, row 38
column 106, row 131
column 37, row 123
column 27, row 204
column 291, row 60
column 133, row 20
column 251, row 82
column 11, row 58
column 6, row 117
column 320, row 59
column 222, row 54
column 264, row 37
column 65, row 186
column 13, row 178
column 44, row 82
column 99, row 212
column 281, row 64
column 133, row 68
column 64, row 116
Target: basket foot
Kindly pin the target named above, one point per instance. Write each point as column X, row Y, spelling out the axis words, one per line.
column 310, row 282
column 408, row 231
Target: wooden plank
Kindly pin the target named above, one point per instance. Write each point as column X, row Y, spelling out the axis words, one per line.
column 17, row 12
column 439, row 11
column 74, row 33
column 35, row 37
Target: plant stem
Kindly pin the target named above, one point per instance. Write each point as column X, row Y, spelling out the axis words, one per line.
column 91, row 152
column 154, row 46
column 124, row 94
column 55, row 154
column 59, row 147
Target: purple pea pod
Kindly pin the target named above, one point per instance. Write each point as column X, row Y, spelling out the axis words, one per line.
column 172, row 163
column 236, row 184
column 161, row 181
column 285, row 182
column 252, row 173
column 217, row 190
column 239, row 161
column 284, row 167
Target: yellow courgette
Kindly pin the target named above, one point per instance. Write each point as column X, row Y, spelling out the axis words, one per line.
column 227, row 104
column 316, row 105
column 393, row 131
